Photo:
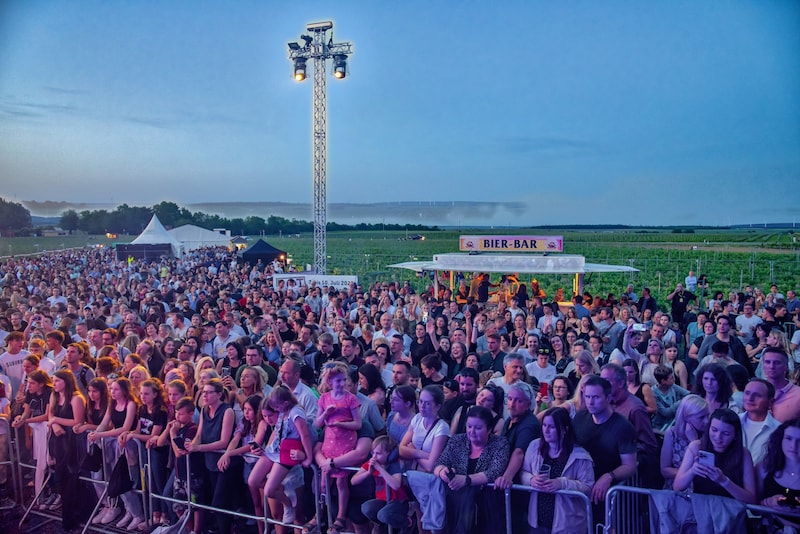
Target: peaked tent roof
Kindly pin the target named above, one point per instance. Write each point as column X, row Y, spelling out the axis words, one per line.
column 261, row 250
column 156, row 234
column 192, row 237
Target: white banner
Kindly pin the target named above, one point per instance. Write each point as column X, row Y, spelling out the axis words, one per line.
column 305, row 279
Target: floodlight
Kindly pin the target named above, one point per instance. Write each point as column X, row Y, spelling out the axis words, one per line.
column 300, row 69
column 308, row 39
column 339, row 66
column 294, row 46
column 319, row 26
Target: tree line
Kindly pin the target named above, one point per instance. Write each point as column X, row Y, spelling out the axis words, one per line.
column 14, row 217
column 132, row 220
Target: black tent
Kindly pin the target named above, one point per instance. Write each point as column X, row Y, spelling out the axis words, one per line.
column 261, row 250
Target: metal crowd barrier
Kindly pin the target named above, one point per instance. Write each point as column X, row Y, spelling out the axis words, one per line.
column 20, row 480
column 16, row 467
column 31, row 508
column 191, row 506
column 612, row 523
column 627, row 497
column 528, row 489
column 12, row 480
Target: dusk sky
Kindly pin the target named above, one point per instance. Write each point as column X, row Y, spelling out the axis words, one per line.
column 679, row 112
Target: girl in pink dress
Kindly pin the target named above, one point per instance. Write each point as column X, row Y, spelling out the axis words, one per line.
column 339, row 414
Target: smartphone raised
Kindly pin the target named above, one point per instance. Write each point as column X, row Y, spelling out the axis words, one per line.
column 705, row 458
column 543, row 389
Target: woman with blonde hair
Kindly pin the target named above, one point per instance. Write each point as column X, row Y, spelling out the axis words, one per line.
column 206, row 362
column 137, row 376
column 776, row 338
column 251, row 383
column 585, row 365
column 690, row 423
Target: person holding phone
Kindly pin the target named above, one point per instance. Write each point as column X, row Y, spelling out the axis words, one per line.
column 718, row 463
column 778, row 480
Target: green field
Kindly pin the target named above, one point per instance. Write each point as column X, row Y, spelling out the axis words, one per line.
column 731, row 259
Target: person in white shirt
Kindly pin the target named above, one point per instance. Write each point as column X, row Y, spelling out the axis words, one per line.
column 54, row 340
column 747, row 322
column 11, row 360
column 691, row 282
column 757, row 421
column 541, row 369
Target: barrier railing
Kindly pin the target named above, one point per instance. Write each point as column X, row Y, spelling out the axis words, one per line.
column 616, row 492
column 587, row 504
column 20, row 479
column 191, row 505
column 8, row 464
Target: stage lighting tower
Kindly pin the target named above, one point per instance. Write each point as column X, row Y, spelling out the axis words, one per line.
column 316, row 46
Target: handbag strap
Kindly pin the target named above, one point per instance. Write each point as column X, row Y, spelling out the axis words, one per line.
column 428, row 433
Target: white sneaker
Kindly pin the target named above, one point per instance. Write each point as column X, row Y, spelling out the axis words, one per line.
column 110, row 515
column 288, row 515
column 138, row 523
column 125, row 521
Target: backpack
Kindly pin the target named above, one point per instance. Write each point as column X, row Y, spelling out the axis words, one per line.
column 82, row 377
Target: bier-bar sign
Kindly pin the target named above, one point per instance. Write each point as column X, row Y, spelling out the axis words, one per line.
column 511, row 243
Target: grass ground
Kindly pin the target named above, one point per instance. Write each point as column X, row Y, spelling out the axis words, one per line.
column 731, row 259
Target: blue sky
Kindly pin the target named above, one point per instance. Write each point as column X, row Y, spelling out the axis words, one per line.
column 681, row 112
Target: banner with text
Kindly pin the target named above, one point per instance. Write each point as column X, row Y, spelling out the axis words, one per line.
column 303, row 279
column 511, row 243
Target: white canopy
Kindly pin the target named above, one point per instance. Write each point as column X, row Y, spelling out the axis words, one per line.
column 192, row 237
column 513, row 263
column 156, row 234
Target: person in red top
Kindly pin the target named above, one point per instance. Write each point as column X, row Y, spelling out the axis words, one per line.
column 390, row 505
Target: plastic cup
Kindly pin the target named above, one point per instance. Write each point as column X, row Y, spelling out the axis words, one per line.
column 544, row 471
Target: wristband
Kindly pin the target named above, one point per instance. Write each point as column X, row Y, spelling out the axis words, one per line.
column 469, row 481
column 613, row 477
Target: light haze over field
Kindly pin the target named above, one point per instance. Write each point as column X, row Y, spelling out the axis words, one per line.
column 681, row 112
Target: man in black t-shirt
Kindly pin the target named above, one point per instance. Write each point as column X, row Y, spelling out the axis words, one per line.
column 608, row 437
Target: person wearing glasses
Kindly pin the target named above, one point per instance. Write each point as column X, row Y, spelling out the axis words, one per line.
column 213, row 434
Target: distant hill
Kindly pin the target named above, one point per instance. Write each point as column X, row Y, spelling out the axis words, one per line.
column 446, row 214
column 45, row 221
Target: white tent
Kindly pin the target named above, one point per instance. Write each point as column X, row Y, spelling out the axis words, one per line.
column 192, row 237
column 156, row 234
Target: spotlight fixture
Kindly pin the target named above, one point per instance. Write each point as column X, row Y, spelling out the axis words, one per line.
column 339, row 66
column 300, row 69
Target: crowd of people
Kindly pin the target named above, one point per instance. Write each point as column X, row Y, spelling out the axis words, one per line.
column 416, row 407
